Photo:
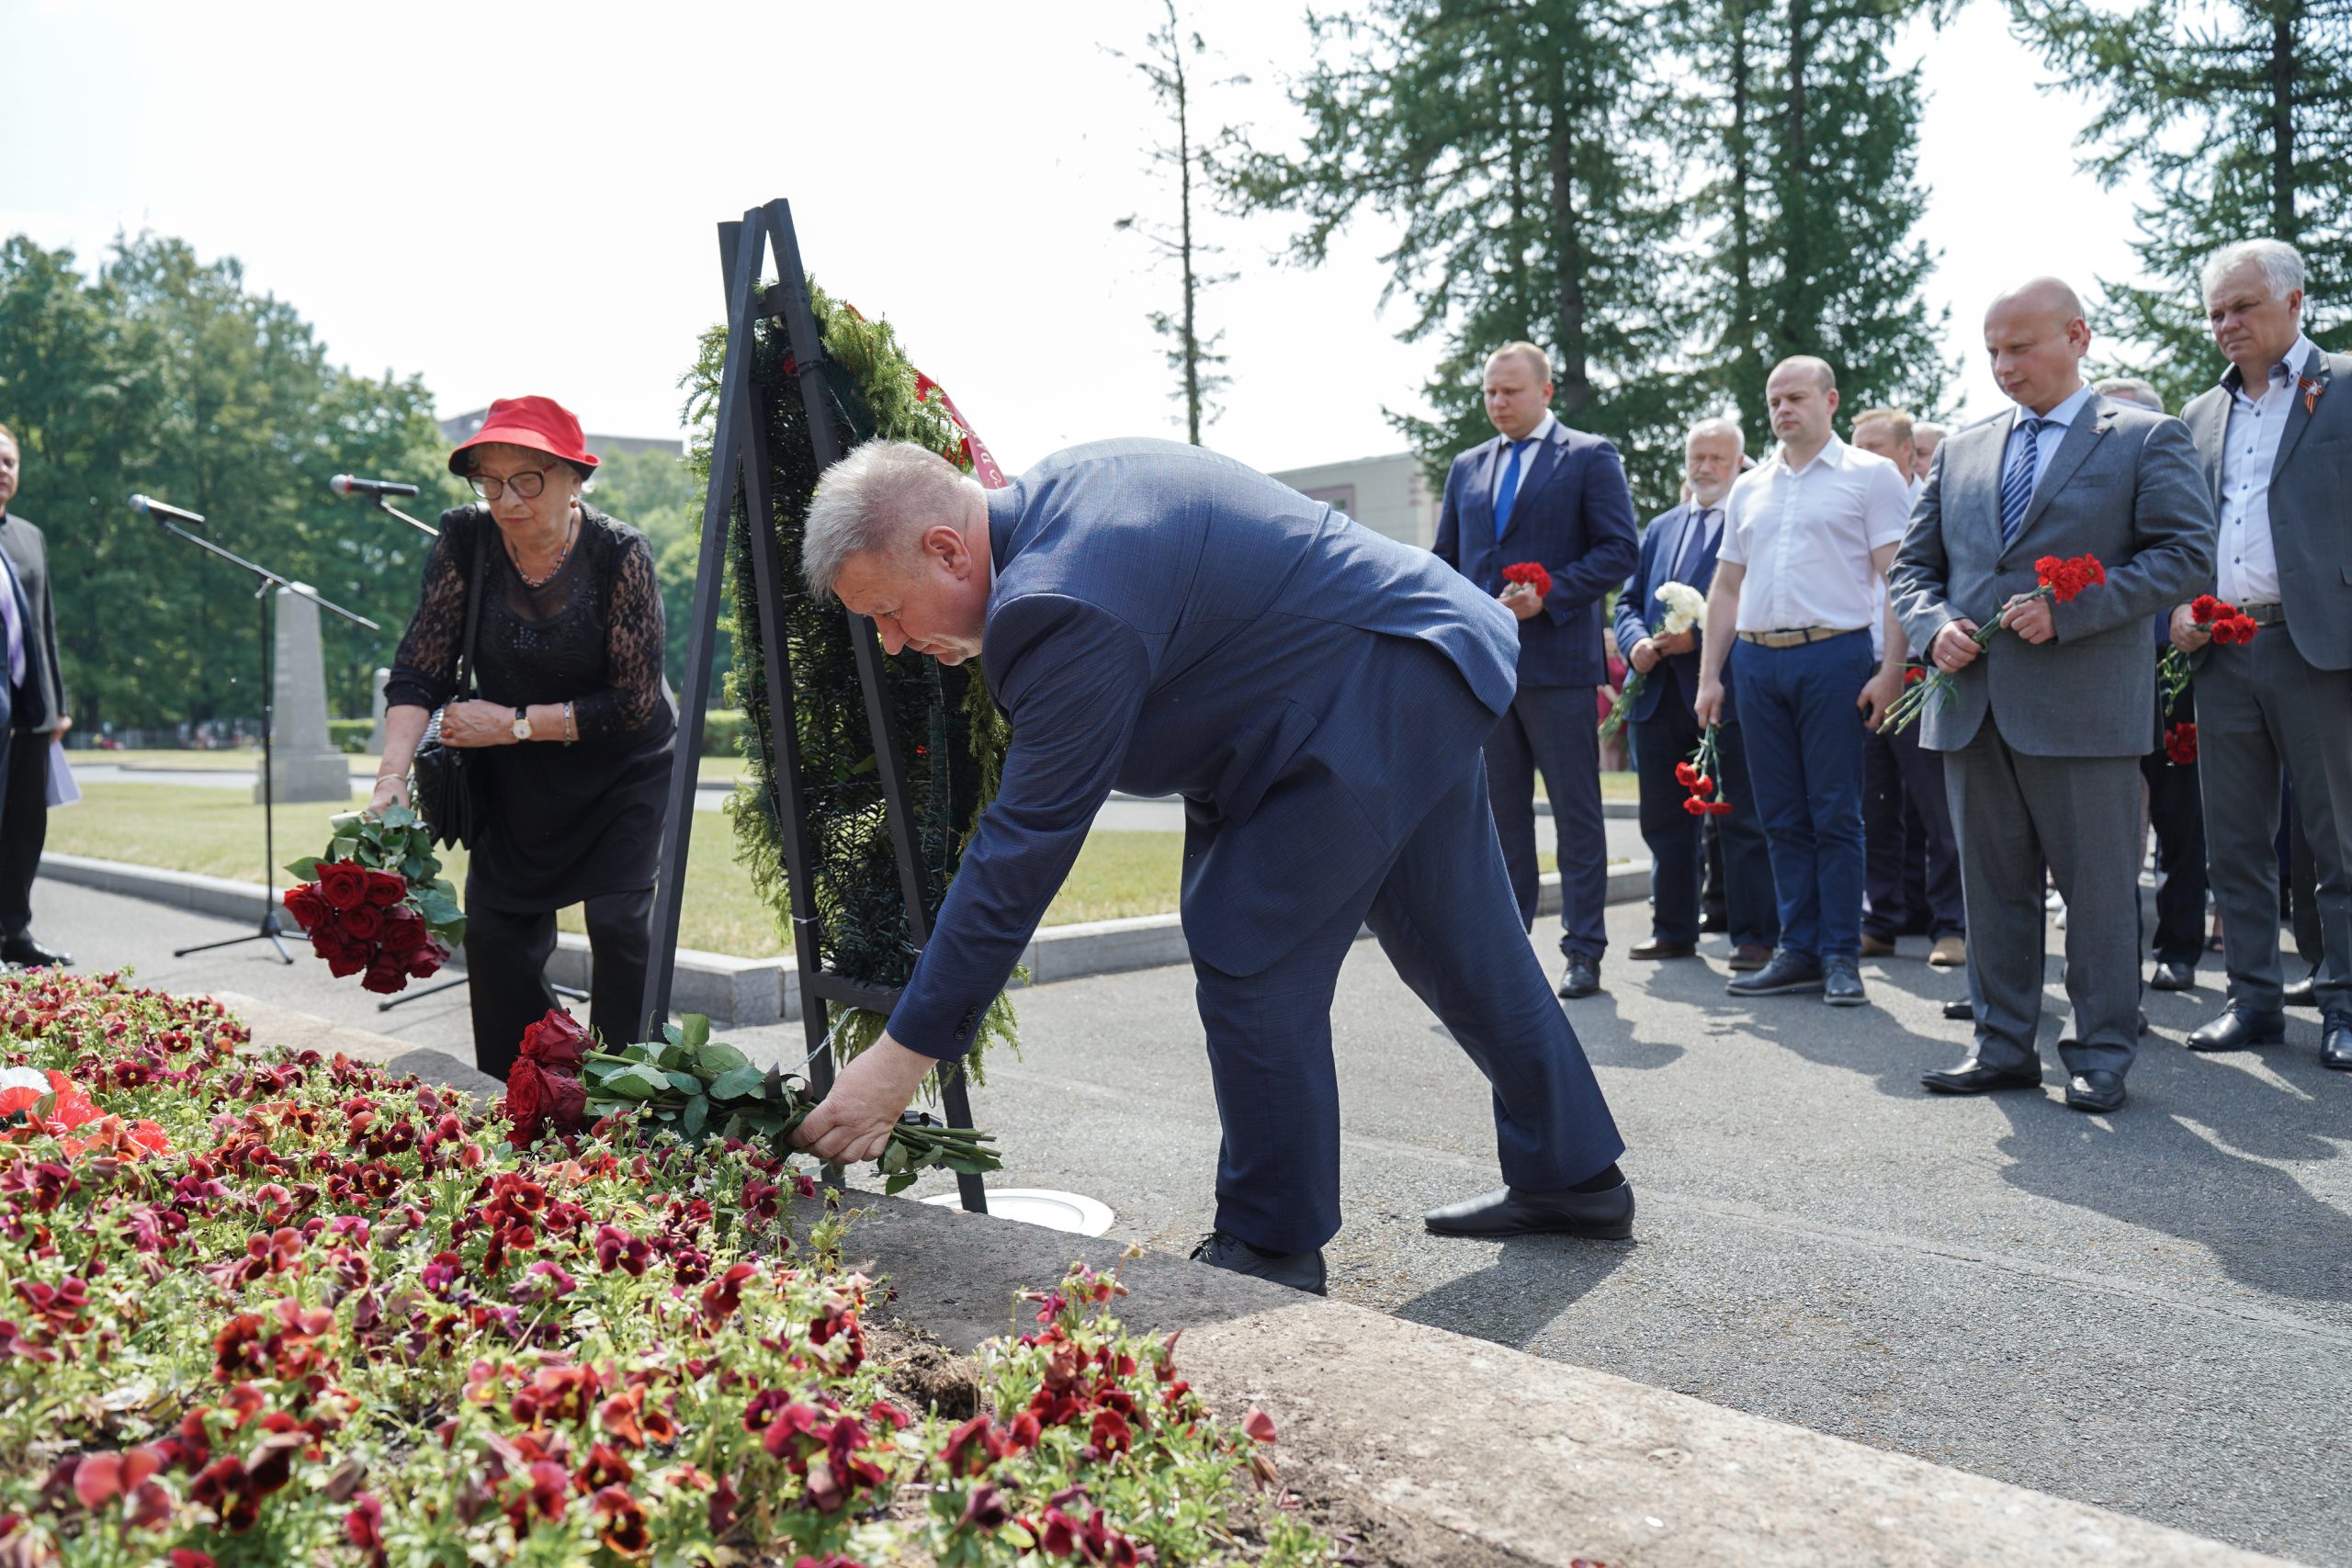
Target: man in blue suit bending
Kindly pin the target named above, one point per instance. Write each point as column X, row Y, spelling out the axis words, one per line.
column 1164, row 621
column 1542, row 492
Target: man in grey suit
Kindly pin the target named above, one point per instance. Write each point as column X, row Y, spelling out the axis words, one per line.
column 2045, row 726
column 2273, row 444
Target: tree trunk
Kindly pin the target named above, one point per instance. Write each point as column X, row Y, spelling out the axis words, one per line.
column 1184, row 221
column 1567, row 239
column 1795, row 221
column 1747, row 375
column 2282, row 120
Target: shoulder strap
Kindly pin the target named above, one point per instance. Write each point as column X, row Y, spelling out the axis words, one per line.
column 473, row 605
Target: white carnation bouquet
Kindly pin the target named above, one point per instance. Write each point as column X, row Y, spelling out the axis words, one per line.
column 1685, row 608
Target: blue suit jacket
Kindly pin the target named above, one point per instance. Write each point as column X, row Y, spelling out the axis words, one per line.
column 1573, row 514
column 1165, row 621
column 1638, row 609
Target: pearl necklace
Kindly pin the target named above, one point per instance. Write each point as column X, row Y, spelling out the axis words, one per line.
column 571, row 533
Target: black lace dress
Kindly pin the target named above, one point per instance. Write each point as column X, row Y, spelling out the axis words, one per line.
column 561, row 823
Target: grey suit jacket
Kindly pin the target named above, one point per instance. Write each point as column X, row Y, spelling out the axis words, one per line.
column 2124, row 488
column 2311, row 504
column 28, row 554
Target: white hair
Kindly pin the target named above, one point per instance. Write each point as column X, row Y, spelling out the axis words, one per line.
column 2281, row 265
column 1720, row 424
column 877, row 501
column 1927, row 428
column 2131, row 390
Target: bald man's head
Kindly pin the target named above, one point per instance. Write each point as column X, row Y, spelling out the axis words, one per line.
column 2036, row 337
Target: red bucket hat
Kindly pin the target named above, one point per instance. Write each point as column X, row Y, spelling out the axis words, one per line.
column 540, row 423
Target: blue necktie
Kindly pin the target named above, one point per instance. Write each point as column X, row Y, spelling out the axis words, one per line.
column 2017, row 485
column 1507, row 492
column 1686, row 565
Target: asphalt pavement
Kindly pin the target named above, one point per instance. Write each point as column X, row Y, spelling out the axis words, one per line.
column 2150, row 1311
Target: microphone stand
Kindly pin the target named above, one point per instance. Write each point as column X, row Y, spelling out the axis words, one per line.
column 271, row 929
column 386, row 506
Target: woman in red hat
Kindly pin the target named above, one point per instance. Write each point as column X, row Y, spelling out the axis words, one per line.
column 569, row 712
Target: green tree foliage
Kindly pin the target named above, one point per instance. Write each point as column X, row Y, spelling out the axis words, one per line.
column 1519, row 148
column 1808, row 214
column 162, row 374
column 659, row 495
column 2239, row 115
column 1194, row 356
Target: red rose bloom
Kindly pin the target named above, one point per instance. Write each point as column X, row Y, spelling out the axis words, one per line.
column 556, row 1041
column 343, row 884
column 402, row 929
column 364, row 923
column 386, row 975
column 422, row 962
column 536, row 1099
column 386, row 888
column 310, row 910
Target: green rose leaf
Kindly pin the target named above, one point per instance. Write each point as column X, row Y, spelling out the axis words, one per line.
column 898, row 1183
column 698, row 1115
column 685, row 1083
column 714, row 1057
column 737, row 1083
column 306, row 869
column 694, row 1031
column 638, row 1081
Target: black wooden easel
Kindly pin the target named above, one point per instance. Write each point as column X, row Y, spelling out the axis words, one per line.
column 739, row 457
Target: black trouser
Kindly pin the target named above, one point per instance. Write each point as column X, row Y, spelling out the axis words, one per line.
column 1911, row 856
column 2177, row 812
column 506, row 960
column 24, row 828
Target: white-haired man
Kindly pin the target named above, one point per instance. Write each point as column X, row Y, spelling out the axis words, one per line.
column 2271, row 438
column 1165, row 621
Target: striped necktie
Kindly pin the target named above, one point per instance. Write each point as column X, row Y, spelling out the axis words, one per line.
column 2017, row 485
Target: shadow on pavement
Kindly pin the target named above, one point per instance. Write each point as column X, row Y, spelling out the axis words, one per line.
column 1531, row 1282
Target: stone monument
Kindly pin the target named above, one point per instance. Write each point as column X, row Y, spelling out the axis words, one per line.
column 305, row 765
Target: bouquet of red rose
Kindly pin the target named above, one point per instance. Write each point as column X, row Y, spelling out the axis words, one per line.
column 2229, row 626
column 376, row 905
column 1700, row 774
column 698, row 1088
column 1529, row 575
column 2061, row 580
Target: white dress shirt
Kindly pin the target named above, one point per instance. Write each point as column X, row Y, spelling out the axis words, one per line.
column 1804, row 537
column 2246, row 564
column 2046, row 441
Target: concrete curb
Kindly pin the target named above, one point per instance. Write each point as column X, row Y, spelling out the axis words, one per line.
column 741, row 992
column 1469, row 1451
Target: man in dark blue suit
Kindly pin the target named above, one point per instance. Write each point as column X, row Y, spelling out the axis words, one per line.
column 1539, row 491
column 1680, row 546
column 1164, row 621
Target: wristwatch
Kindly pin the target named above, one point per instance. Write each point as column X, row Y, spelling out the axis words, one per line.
column 522, row 724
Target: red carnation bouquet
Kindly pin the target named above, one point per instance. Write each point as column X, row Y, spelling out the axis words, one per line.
column 2180, row 745
column 1701, row 775
column 2229, row 625
column 1529, row 575
column 376, row 905
column 2056, row 579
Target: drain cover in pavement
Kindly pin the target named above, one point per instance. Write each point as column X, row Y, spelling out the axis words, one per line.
column 1039, row 1206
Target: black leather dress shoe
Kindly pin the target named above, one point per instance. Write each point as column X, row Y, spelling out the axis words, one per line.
column 1785, row 975
column 2240, row 1029
column 2095, row 1091
column 1841, row 983
column 1959, row 1008
column 2335, row 1044
column 1299, row 1270
column 1606, row 1215
column 1973, row 1077
column 1714, row 922
column 2302, row 993
column 27, row 953
column 2174, row 978
column 1658, row 947
column 1582, row 977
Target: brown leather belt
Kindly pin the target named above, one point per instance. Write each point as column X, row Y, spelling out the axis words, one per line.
column 2264, row 615
column 1796, row 637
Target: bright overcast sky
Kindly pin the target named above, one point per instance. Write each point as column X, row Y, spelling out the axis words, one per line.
column 515, row 198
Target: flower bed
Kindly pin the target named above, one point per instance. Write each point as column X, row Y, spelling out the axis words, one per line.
column 315, row 1313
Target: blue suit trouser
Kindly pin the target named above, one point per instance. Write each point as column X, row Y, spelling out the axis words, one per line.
column 1445, row 915
column 1804, row 761
column 1676, row 840
column 1554, row 729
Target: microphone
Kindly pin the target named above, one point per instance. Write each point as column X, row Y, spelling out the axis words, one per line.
column 147, row 506
column 343, row 484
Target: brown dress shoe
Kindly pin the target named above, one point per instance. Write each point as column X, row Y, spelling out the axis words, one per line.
column 1746, row 960
column 1950, row 953
column 1877, row 946
column 1658, row 947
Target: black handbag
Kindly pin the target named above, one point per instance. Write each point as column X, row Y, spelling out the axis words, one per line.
column 444, row 782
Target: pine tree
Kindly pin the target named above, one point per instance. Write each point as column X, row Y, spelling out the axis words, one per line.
column 1518, row 146
column 2239, row 117
column 1193, row 356
column 1809, row 220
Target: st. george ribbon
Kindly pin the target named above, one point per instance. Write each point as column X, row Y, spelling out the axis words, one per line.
column 380, row 491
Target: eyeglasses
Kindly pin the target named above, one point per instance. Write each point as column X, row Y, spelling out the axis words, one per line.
column 526, row 484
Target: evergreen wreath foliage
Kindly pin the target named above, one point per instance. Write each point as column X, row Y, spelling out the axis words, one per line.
column 951, row 737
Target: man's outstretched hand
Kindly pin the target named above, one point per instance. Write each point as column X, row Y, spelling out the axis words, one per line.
column 853, row 1121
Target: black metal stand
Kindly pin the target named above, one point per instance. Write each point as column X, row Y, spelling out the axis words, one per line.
column 389, row 510
column 272, row 931
column 739, row 457
column 571, row 992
